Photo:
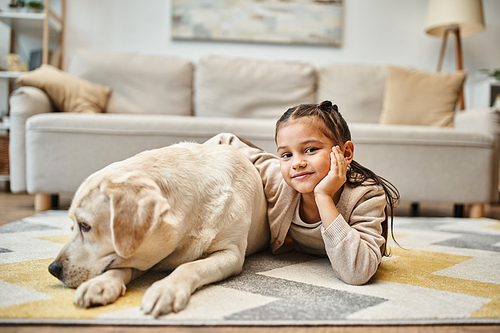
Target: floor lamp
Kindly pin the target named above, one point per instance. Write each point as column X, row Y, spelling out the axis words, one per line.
column 461, row 18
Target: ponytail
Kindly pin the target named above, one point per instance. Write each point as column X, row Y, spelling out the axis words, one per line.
column 357, row 175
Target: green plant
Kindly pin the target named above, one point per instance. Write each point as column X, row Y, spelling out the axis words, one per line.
column 35, row 5
column 495, row 73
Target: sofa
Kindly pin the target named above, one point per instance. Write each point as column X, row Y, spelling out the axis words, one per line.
column 154, row 101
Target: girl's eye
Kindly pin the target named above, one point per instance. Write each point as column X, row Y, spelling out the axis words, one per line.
column 311, row 150
column 84, row 226
column 286, row 155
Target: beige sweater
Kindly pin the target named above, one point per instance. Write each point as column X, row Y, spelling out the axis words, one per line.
column 352, row 242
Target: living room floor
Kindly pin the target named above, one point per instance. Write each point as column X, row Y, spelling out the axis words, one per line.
column 17, row 206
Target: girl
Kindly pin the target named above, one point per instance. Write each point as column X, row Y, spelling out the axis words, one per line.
column 320, row 201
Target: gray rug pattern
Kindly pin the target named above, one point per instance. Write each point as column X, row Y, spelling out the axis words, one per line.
column 291, row 288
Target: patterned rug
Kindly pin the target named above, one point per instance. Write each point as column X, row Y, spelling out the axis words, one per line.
column 447, row 272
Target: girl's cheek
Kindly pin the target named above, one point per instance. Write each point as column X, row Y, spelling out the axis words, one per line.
column 283, row 169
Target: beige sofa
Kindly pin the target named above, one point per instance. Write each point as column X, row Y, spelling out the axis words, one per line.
column 158, row 100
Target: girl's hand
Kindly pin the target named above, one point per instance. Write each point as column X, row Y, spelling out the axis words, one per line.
column 336, row 177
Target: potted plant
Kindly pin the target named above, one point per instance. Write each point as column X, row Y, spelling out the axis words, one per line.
column 494, row 73
column 35, row 6
column 15, row 5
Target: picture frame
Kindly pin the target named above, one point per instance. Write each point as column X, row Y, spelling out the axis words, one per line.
column 300, row 22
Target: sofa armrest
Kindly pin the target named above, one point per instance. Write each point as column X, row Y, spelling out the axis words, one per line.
column 24, row 103
column 484, row 120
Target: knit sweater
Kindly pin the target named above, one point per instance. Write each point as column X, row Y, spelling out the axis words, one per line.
column 353, row 242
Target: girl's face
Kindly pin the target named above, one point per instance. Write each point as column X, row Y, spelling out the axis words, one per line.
column 304, row 153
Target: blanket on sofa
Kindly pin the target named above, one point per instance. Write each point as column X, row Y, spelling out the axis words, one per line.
column 446, row 272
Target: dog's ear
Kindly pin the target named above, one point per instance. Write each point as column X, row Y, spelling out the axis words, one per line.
column 136, row 207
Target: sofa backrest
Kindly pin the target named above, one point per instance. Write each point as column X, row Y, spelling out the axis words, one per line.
column 248, row 88
column 358, row 90
column 146, row 84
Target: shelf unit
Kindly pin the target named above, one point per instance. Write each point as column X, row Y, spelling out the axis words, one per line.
column 28, row 23
column 23, row 22
column 10, row 75
column 4, row 127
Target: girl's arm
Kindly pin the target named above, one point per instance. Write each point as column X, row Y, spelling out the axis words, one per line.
column 329, row 188
column 354, row 248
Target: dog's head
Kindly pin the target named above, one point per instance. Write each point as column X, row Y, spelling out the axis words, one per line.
column 112, row 217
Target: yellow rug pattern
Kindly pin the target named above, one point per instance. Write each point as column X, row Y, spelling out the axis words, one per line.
column 447, row 271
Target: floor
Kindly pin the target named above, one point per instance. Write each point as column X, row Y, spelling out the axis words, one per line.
column 17, row 206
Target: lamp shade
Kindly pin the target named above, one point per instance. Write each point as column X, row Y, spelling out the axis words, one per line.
column 466, row 14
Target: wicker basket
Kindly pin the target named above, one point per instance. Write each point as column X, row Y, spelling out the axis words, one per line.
column 4, row 155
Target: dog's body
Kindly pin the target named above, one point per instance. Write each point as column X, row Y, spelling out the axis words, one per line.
column 197, row 209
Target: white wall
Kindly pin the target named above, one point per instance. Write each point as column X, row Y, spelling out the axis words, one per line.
column 375, row 32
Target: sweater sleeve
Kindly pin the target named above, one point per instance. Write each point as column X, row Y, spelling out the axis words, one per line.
column 354, row 247
column 281, row 198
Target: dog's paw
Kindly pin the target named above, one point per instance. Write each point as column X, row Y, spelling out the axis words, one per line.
column 100, row 290
column 164, row 297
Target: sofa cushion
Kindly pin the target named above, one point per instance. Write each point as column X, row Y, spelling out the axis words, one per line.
column 358, row 90
column 64, row 149
column 67, row 92
column 427, row 163
column 247, row 88
column 416, row 97
column 145, row 84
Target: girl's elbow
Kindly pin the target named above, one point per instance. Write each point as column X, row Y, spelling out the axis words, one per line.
column 357, row 277
column 357, row 280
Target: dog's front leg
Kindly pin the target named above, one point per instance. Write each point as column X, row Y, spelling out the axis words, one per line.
column 172, row 293
column 105, row 288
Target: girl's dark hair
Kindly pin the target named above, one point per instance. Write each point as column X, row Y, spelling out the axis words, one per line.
column 335, row 127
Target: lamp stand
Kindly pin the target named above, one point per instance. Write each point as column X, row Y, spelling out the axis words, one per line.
column 458, row 50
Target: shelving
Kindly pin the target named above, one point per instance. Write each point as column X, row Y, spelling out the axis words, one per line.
column 46, row 25
column 4, row 150
column 24, row 22
column 50, row 24
column 10, row 75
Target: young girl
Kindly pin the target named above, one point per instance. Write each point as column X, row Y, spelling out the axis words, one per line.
column 320, row 201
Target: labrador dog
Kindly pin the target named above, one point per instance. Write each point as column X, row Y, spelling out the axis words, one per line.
column 191, row 208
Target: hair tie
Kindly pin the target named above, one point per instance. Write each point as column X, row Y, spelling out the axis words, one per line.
column 325, row 106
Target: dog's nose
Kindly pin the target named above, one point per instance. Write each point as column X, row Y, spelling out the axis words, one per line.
column 55, row 269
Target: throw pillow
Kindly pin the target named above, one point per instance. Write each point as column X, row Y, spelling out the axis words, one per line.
column 68, row 93
column 416, row 97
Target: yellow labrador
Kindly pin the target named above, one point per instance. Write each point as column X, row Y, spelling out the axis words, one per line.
column 197, row 209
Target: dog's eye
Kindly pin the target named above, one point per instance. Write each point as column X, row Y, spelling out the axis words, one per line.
column 84, row 226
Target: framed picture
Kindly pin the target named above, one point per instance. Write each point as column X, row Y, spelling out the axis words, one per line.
column 299, row 22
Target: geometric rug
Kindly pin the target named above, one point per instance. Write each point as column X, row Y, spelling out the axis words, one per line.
column 447, row 271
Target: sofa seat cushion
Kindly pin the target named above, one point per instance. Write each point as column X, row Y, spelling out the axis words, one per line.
column 244, row 88
column 145, row 84
column 429, row 163
column 67, row 92
column 64, row 149
column 358, row 90
column 417, row 97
